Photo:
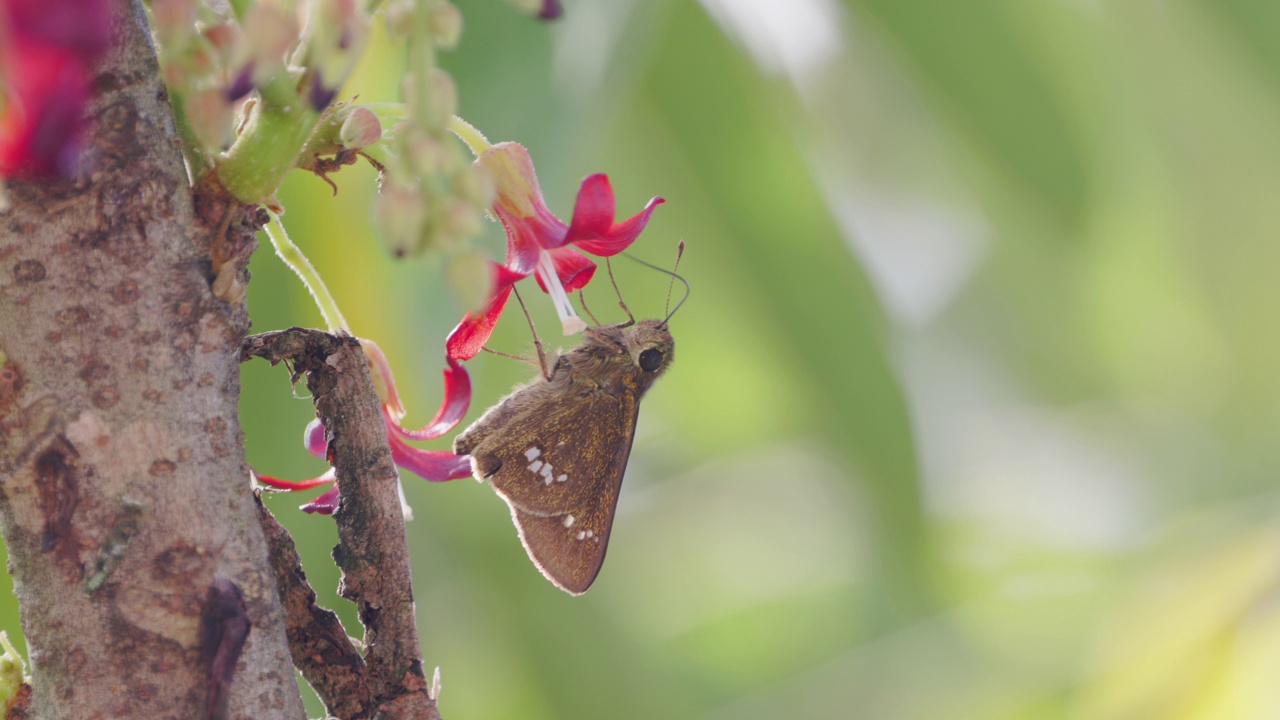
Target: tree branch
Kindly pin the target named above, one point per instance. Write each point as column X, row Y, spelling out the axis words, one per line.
column 372, row 551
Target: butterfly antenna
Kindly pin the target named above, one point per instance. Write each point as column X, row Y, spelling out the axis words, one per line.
column 537, row 342
column 674, row 277
column 631, row 319
column 671, row 285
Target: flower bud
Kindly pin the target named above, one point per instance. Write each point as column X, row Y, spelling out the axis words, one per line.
column 361, row 128
column 212, row 117
column 401, row 214
column 12, row 671
column 270, row 33
column 445, row 20
column 460, row 221
column 399, row 19
column 475, row 185
column 444, row 98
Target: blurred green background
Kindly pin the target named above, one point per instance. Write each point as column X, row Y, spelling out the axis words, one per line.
column 976, row 399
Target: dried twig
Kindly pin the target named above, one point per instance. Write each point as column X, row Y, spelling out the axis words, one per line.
column 372, row 552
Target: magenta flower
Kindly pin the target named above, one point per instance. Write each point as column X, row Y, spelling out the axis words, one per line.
column 47, row 55
column 540, row 244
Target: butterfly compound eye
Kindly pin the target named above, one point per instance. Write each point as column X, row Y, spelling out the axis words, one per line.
column 650, row 360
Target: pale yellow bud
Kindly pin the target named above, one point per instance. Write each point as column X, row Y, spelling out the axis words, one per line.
column 446, row 25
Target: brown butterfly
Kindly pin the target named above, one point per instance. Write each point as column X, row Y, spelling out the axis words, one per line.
column 556, row 449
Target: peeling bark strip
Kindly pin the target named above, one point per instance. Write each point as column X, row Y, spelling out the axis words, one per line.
column 322, row 651
column 372, row 552
column 119, row 506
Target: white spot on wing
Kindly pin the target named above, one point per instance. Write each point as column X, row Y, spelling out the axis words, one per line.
column 532, row 453
column 568, row 521
column 536, row 465
column 562, row 477
column 582, row 534
column 548, row 474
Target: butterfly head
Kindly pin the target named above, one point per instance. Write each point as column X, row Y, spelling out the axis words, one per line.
column 650, row 345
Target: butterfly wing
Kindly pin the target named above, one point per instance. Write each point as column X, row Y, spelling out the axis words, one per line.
column 560, row 474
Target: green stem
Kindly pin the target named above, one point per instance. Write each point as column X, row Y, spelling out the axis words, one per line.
column 267, row 148
column 292, row 256
column 469, row 135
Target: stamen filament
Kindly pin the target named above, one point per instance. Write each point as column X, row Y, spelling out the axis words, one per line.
column 569, row 320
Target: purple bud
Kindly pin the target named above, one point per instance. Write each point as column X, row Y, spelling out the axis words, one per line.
column 321, row 96
column 242, row 85
column 550, row 10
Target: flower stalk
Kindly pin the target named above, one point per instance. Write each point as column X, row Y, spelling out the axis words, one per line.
column 293, row 256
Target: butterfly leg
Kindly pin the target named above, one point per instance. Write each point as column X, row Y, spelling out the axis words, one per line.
column 582, row 300
column 537, row 342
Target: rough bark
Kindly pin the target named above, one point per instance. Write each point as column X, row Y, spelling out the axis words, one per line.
column 133, row 539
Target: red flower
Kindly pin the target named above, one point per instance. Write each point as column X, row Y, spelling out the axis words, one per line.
column 540, row 244
column 47, row 56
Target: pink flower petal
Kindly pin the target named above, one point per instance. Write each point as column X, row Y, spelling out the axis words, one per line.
column 457, row 398
column 595, row 209
column 473, row 332
column 527, row 238
column 433, row 465
column 326, row 504
column 293, row 485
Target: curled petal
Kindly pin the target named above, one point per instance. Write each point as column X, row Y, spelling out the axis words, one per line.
column 574, row 269
column 293, row 485
column 473, row 332
column 457, row 398
column 433, row 465
column 326, row 504
column 593, row 229
column 384, row 380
